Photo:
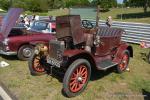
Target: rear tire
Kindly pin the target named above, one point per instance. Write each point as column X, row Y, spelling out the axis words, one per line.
column 25, row 52
column 76, row 77
column 35, row 65
column 124, row 62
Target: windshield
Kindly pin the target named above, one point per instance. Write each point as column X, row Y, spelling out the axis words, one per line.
column 85, row 13
column 37, row 25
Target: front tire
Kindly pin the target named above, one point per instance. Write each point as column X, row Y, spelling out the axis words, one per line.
column 76, row 77
column 25, row 52
column 36, row 66
column 124, row 62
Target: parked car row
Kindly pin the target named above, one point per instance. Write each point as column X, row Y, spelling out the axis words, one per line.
column 20, row 40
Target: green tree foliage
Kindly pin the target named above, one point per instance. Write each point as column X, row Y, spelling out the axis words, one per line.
column 32, row 5
column 44, row 5
column 5, row 4
column 138, row 3
column 105, row 4
column 70, row 3
column 37, row 5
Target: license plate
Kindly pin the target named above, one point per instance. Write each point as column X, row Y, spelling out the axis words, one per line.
column 53, row 62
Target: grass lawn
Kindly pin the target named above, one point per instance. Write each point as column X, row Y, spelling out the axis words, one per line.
column 128, row 14
column 106, row 85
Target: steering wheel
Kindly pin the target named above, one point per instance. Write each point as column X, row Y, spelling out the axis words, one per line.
column 87, row 24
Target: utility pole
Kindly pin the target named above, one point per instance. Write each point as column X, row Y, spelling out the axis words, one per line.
column 11, row 3
column 97, row 16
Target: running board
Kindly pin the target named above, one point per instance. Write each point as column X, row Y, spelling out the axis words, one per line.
column 105, row 64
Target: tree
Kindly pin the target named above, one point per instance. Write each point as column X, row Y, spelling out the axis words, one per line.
column 146, row 4
column 138, row 3
column 70, row 3
column 5, row 4
column 105, row 4
column 44, row 5
column 32, row 5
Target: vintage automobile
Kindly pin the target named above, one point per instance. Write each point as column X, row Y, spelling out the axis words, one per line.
column 78, row 50
column 146, row 45
column 17, row 40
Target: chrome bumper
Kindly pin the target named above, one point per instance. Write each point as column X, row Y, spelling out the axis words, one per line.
column 7, row 53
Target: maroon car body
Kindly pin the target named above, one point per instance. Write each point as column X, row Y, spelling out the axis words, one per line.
column 79, row 49
column 19, row 41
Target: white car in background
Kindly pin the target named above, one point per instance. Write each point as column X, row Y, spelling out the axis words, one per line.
column 45, row 26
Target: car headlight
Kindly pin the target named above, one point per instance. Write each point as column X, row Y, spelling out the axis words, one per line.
column 5, row 42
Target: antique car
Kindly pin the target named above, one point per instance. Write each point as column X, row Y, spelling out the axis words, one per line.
column 78, row 50
column 17, row 40
column 146, row 45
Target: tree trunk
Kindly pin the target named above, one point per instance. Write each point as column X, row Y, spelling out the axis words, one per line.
column 145, row 6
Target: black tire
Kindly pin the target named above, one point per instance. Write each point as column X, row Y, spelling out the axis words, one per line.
column 32, row 67
column 124, row 62
column 25, row 52
column 81, row 80
column 149, row 58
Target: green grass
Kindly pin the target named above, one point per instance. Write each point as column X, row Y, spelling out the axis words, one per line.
column 129, row 15
column 106, row 85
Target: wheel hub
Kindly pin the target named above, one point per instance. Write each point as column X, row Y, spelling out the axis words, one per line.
column 27, row 52
column 79, row 79
column 124, row 61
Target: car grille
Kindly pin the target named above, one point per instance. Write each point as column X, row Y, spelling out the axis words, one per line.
column 56, row 50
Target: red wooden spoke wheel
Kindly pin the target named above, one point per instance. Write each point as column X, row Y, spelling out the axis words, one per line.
column 76, row 77
column 124, row 62
column 35, row 65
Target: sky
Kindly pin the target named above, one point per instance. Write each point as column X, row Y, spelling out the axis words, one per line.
column 119, row 1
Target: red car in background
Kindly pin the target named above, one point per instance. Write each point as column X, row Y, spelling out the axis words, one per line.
column 20, row 41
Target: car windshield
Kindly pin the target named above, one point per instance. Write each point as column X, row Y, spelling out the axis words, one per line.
column 85, row 13
column 38, row 25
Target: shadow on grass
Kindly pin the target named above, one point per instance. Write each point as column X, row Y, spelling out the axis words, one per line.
column 95, row 75
column 98, row 74
column 146, row 94
column 9, row 57
column 134, row 15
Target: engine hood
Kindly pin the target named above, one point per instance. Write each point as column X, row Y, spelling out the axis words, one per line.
column 9, row 21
